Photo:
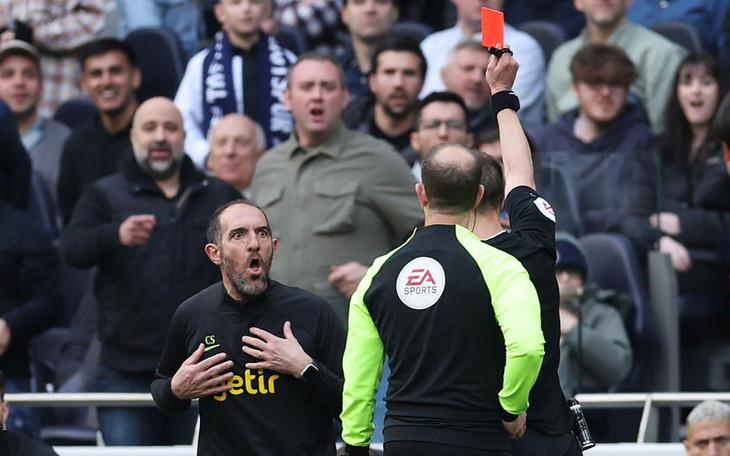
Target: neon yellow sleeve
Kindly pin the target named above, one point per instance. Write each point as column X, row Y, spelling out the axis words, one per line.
column 362, row 365
column 517, row 309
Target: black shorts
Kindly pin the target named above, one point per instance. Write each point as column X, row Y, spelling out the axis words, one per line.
column 435, row 449
column 535, row 443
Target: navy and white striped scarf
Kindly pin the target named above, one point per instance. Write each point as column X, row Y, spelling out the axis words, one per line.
column 219, row 96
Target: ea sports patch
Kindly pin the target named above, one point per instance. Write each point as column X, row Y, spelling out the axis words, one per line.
column 546, row 209
column 421, row 283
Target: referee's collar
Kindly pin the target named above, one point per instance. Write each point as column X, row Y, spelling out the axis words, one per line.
column 493, row 236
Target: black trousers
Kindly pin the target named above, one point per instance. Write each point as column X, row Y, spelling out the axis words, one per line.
column 535, row 443
column 435, row 449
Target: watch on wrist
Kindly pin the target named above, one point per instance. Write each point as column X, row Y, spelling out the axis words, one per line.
column 309, row 372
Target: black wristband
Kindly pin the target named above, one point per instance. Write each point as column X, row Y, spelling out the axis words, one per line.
column 506, row 99
column 507, row 416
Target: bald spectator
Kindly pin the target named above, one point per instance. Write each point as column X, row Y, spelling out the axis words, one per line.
column 530, row 82
column 708, row 430
column 463, row 75
column 144, row 230
column 236, row 144
column 57, row 28
column 21, row 87
column 654, row 57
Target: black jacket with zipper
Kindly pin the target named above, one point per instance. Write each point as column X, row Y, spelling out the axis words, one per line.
column 138, row 288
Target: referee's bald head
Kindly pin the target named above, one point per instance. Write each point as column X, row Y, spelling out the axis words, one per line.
column 451, row 175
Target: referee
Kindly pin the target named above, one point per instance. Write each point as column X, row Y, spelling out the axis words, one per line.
column 532, row 241
column 459, row 322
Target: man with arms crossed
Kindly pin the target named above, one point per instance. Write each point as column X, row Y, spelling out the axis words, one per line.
column 532, row 242
column 276, row 389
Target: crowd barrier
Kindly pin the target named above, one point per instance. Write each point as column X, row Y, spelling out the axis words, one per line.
column 604, row 449
column 648, row 402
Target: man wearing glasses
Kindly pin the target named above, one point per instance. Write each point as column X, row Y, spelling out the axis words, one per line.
column 442, row 119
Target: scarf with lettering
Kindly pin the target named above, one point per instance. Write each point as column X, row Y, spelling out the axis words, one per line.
column 219, row 96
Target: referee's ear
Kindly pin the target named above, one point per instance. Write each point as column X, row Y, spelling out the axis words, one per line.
column 421, row 193
column 480, row 195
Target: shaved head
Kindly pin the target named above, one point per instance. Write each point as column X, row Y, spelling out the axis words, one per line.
column 154, row 106
column 157, row 138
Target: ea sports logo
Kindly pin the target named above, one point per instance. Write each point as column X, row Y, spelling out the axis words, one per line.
column 421, row 283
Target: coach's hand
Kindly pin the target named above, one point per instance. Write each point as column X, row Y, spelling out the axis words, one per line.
column 281, row 355
column 516, row 429
column 197, row 378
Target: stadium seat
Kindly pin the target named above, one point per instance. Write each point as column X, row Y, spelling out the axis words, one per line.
column 558, row 190
column 293, row 39
column 682, row 33
column 614, row 266
column 75, row 112
column 161, row 59
column 412, row 29
column 548, row 34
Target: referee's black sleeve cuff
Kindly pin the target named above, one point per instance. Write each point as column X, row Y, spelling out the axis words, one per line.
column 507, row 416
column 356, row 450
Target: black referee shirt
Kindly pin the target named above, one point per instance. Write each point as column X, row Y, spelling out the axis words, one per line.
column 532, row 242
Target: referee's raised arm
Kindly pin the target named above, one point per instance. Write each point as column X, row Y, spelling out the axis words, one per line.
column 516, row 155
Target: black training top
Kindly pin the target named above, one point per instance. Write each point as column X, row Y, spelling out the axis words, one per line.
column 532, row 241
column 264, row 412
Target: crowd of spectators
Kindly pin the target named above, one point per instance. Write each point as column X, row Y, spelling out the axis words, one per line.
column 629, row 130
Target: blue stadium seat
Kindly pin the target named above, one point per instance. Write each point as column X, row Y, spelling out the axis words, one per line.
column 558, row 189
column 682, row 33
column 161, row 59
column 293, row 39
column 414, row 30
column 614, row 266
column 548, row 34
column 75, row 112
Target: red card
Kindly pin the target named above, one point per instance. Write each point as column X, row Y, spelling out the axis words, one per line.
column 492, row 28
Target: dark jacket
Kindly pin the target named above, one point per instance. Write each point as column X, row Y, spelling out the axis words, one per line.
column 29, row 290
column 19, row 444
column 89, row 154
column 139, row 288
column 14, row 161
column 596, row 169
column 697, row 193
column 360, row 116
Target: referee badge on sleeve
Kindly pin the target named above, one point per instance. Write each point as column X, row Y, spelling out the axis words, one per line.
column 545, row 208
